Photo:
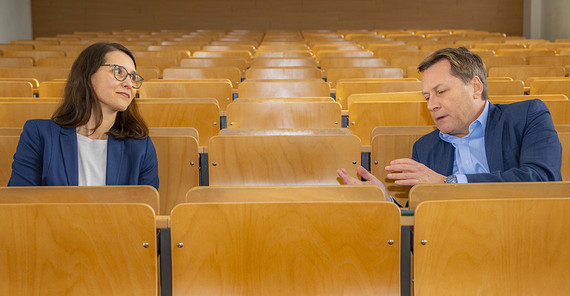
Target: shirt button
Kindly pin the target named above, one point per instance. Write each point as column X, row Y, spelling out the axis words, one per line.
column 467, row 162
column 462, row 141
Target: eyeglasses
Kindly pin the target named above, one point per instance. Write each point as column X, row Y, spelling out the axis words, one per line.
column 121, row 74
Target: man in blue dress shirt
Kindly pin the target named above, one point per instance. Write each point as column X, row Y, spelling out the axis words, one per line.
column 475, row 141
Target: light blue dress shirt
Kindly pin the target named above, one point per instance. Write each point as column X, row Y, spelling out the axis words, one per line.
column 470, row 156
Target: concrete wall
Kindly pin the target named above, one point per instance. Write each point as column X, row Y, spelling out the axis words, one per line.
column 15, row 20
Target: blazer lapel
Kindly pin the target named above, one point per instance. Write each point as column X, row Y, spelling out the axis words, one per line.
column 115, row 149
column 494, row 139
column 68, row 144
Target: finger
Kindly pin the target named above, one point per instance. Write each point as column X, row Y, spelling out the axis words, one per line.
column 402, row 176
column 346, row 178
column 403, row 168
column 403, row 161
column 407, row 182
column 364, row 173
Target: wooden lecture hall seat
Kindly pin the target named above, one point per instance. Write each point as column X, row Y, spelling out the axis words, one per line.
column 283, row 73
column 260, row 160
column 231, row 73
column 58, row 249
column 16, row 88
column 286, row 248
column 492, row 247
column 274, row 115
column 283, row 88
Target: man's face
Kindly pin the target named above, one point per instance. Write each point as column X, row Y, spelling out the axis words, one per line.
column 453, row 104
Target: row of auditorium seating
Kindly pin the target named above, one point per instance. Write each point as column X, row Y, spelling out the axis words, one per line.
column 334, row 240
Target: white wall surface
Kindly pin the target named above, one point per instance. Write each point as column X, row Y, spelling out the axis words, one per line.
column 555, row 19
column 15, row 20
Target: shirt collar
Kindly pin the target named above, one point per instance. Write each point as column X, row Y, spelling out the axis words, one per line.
column 481, row 121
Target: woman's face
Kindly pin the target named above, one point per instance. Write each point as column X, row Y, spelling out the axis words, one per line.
column 114, row 95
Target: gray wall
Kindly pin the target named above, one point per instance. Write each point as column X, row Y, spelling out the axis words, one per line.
column 15, row 20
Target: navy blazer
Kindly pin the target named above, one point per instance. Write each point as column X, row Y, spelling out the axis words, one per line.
column 47, row 156
column 520, row 142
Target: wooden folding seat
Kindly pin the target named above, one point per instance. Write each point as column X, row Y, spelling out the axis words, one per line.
column 343, row 54
column 327, row 63
column 219, row 89
column 406, row 96
column 231, row 73
column 39, row 73
column 225, row 53
column 281, row 160
column 178, row 168
column 83, row 249
column 195, row 62
column 501, row 61
column 335, row 74
column 139, row 194
column 53, row 88
column 65, row 62
column 246, row 47
column 388, row 55
column 347, row 87
column 284, row 54
column 525, row 52
column 324, row 46
column 190, row 47
column 497, row 46
column 389, row 143
column 492, row 247
column 201, row 114
column 550, row 60
column 506, row 99
column 34, row 42
column 283, row 73
column 148, row 72
column 263, row 247
column 283, row 88
column 16, row 113
column 505, row 87
column 16, row 89
column 6, row 62
column 550, row 86
column 259, row 62
column 15, row 47
column 281, row 47
column 63, row 47
column 276, row 115
column 522, row 72
column 34, row 54
column 160, row 62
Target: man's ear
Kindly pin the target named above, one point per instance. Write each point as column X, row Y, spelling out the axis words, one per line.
column 477, row 85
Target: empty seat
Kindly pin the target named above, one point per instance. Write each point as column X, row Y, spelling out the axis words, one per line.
column 283, row 88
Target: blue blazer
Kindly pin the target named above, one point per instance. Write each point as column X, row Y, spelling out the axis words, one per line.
column 520, row 142
column 47, row 156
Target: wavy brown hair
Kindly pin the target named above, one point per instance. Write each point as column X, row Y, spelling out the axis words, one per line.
column 465, row 65
column 80, row 101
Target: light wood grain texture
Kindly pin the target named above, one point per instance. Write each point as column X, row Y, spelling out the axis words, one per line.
column 231, row 73
column 282, row 131
column 8, row 145
column 327, row 63
column 39, row 73
column 219, row 89
column 16, row 89
column 77, row 249
column 16, row 113
column 178, row 168
column 506, row 87
column 283, row 73
column 53, row 88
column 234, row 194
column 275, row 115
column 523, row 72
column 347, row 87
column 292, row 248
column 223, row 53
column 550, row 86
column 82, row 194
column 196, row 62
column 34, row 54
column 283, row 88
column 281, row 160
column 428, row 192
column 331, row 53
column 7, row 62
column 335, row 74
column 282, row 62
column 492, row 247
column 203, row 115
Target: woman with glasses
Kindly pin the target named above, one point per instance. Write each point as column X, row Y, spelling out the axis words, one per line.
column 96, row 137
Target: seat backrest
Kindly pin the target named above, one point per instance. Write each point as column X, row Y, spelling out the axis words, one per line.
column 195, row 62
column 101, row 249
column 82, row 194
column 53, row 88
column 335, row 74
column 522, row 72
column 492, row 247
column 16, row 89
column 6, row 62
column 283, row 88
column 203, row 115
column 429, row 192
column 347, row 87
column 341, row 62
column 247, row 160
column 505, row 87
column 231, row 73
column 39, row 73
column 219, row 89
column 15, row 114
column 274, row 115
column 286, row 248
column 283, row 73
column 550, row 86
column 178, row 168
column 8, row 145
column 232, row 194
column 282, row 62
